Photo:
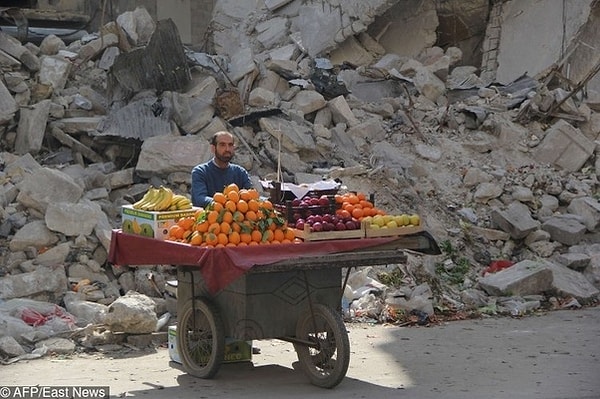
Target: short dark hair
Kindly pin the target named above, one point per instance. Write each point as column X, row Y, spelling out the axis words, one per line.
column 213, row 139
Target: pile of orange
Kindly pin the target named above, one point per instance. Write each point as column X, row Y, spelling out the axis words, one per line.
column 356, row 205
column 236, row 217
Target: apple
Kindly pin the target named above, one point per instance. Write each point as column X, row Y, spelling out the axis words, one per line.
column 350, row 225
column 314, row 201
column 317, row 219
column 327, row 226
column 300, row 225
column 296, row 202
column 340, row 226
column 323, row 200
column 317, row 226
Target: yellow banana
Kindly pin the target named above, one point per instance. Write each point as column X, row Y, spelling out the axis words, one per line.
column 166, row 199
column 148, row 197
column 157, row 198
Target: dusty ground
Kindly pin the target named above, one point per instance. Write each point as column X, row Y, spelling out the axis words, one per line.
column 550, row 356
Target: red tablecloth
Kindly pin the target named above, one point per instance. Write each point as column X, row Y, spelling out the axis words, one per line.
column 220, row 266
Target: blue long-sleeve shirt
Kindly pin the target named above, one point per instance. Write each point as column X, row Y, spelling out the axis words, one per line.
column 208, row 178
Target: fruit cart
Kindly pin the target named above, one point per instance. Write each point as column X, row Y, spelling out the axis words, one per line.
column 290, row 292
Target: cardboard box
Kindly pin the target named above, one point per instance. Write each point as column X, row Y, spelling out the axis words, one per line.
column 150, row 223
column 235, row 351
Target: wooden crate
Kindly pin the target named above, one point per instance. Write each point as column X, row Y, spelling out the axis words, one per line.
column 308, row 235
column 391, row 232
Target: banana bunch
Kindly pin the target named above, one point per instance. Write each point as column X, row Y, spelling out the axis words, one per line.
column 180, row 202
column 155, row 199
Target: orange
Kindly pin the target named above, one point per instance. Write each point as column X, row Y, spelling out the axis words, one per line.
column 186, row 223
column 233, row 196
column 231, row 187
column 230, row 206
column 366, row 204
column 230, row 244
column 245, row 194
column 212, row 217
column 238, row 216
column 220, row 198
column 278, row 235
column 343, row 213
column 357, row 213
column 222, row 238
column 217, row 206
column 353, row 199
column 219, row 245
column 268, row 236
column 242, row 206
column 196, row 238
column 227, row 217
column 267, row 204
column 245, row 238
column 211, row 239
column 214, row 228
column 253, row 205
column 253, row 194
column 236, row 226
column 225, row 227
column 176, row 231
column 234, row 237
column 256, row 236
column 242, row 244
column 251, row 215
column 202, row 227
column 348, row 207
column 289, row 234
column 199, row 212
column 253, row 243
column 361, row 196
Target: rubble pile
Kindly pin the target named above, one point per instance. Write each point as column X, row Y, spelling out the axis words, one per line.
column 498, row 172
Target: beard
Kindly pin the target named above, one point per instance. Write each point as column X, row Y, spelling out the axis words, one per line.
column 226, row 157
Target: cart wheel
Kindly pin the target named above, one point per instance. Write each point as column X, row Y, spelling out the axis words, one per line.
column 326, row 360
column 201, row 338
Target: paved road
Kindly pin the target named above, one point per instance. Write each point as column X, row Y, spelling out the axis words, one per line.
column 553, row 356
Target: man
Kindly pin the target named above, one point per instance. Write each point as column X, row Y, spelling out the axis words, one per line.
column 216, row 174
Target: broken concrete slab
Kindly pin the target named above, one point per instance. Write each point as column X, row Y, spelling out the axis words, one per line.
column 515, row 220
column 524, row 278
column 566, row 230
column 31, row 129
column 564, row 146
column 45, row 283
column 157, row 154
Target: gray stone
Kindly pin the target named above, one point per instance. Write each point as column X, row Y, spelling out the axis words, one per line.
column 588, row 209
column 156, row 156
column 294, row 137
column 574, row 260
column 341, row 112
column 72, row 219
column 10, row 347
column 44, row 283
column 487, row 191
column 564, row 146
column 47, row 186
column 60, row 346
column 34, row 234
column 524, row 278
column 565, row 230
column 515, row 220
column 31, row 129
column 132, row 313
column 309, row 101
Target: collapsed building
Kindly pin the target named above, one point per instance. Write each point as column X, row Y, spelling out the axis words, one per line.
column 468, row 113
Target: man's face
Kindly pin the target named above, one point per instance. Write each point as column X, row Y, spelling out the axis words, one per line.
column 224, row 149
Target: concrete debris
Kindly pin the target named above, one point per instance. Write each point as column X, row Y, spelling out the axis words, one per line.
column 500, row 159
